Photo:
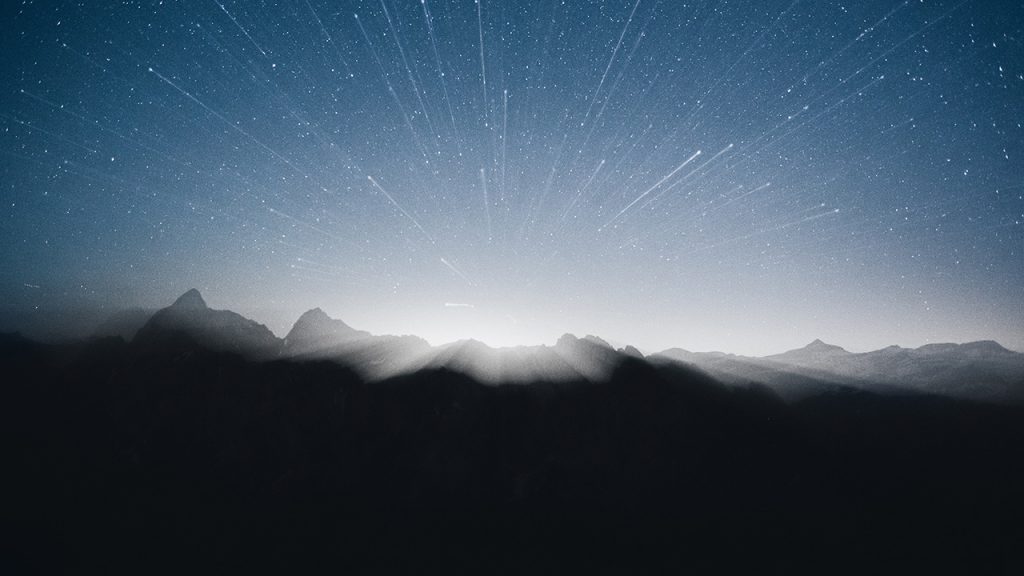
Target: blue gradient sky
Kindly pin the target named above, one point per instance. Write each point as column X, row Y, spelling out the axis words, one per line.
column 742, row 176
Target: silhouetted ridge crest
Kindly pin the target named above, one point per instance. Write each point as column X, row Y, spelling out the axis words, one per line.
column 982, row 370
column 313, row 317
column 190, row 300
column 985, row 347
column 815, row 353
column 138, row 452
column 190, row 319
column 819, row 346
column 596, row 340
column 315, row 330
column 631, row 351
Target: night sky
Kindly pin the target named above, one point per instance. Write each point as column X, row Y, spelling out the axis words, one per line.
column 741, row 176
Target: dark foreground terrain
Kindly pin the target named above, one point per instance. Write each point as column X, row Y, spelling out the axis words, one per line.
column 174, row 459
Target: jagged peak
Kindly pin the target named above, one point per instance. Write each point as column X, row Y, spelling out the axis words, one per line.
column 566, row 339
column 597, row 340
column 570, row 339
column 631, row 351
column 316, row 327
column 190, row 300
column 818, row 344
column 316, row 315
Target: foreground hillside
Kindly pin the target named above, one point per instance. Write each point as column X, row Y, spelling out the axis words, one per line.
column 129, row 457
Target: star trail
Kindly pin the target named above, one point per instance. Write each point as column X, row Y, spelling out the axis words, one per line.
column 742, row 176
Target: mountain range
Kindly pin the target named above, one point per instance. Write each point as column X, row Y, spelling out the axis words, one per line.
column 981, row 370
column 976, row 370
column 208, row 441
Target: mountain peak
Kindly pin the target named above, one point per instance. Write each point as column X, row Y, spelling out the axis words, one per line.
column 597, row 340
column 316, row 330
column 189, row 321
column 566, row 339
column 813, row 353
column 631, row 351
column 190, row 300
column 818, row 345
column 314, row 316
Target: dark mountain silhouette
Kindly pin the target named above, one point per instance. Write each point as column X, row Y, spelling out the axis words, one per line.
column 790, row 382
column 815, row 353
column 979, row 370
column 590, row 356
column 174, row 451
column 975, row 370
column 207, row 441
column 190, row 300
column 982, row 370
column 315, row 330
column 631, row 351
column 189, row 318
column 317, row 336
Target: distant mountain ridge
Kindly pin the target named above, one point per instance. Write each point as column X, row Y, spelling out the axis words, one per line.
column 219, row 330
column 162, row 450
column 315, row 330
column 982, row 370
column 815, row 352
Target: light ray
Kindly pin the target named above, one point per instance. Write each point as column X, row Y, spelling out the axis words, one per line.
column 401, row 209
column 649, row 190
column 225, row 10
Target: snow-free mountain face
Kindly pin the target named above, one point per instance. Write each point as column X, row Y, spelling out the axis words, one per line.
column 191, row 300
column 975, row 370
column 317, row 336
column 814, row 354
column 222, row 330
column 315, row 330
column 789, row 381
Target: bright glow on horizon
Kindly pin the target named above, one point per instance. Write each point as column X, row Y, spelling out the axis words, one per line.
column 661, row 174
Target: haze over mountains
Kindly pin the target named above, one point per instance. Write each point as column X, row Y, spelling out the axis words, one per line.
column 208, row 441
column 978, row 370
column 981, row 370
